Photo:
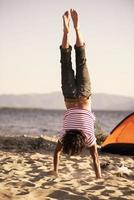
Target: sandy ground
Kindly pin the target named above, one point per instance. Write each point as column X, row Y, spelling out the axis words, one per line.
column 25, row 176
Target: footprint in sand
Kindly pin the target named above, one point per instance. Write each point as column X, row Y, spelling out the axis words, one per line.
column 50, row 183
column 66, row 195
column 24, row 192
column 27, row 184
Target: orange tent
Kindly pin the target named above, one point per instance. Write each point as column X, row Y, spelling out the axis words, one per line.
column 121, row 138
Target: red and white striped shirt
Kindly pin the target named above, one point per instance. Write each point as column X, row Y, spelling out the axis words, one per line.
column 79, row 119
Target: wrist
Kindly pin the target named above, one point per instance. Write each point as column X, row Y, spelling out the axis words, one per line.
column 77, row 29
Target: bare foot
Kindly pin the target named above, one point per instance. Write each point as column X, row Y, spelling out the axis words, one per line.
column 66, row 21
column 74, row 16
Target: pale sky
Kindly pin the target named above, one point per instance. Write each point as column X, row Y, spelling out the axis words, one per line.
column 31, row 32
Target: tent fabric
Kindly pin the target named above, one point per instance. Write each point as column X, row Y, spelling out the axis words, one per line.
column 121, row 138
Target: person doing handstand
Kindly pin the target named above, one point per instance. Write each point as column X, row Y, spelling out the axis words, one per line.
column 78, row 123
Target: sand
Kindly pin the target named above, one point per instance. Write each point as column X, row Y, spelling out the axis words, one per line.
column 25, row 175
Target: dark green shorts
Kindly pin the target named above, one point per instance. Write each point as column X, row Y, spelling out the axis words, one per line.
column 79, row 85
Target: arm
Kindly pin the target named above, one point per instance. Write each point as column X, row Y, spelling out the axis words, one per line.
column 96, row 162
column 57, row 152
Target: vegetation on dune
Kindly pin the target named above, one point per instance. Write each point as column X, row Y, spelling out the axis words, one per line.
column 100, row 133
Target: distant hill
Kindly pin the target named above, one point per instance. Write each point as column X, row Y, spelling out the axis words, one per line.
column 112, row 102
column 55, row 101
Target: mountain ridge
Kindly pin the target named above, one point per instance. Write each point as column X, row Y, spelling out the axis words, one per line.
column 54, row 100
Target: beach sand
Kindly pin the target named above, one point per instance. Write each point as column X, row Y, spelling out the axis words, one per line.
column 25, row 173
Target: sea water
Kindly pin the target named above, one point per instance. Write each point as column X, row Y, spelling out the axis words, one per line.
column 19, row 121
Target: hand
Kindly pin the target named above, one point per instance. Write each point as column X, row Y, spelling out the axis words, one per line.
column 53, row 173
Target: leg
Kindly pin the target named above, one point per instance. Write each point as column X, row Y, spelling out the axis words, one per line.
column 79, row 38
column 66, row 21
column 82, row 74
column 96, row 163
column 67, row 73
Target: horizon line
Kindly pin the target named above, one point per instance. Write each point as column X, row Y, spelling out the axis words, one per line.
column 46, row 93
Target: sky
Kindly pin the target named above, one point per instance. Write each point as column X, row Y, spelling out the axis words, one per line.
column 31, row 33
